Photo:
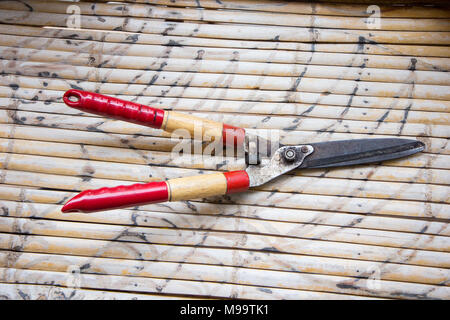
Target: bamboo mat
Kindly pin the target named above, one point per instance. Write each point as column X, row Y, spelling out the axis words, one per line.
column 306, row 72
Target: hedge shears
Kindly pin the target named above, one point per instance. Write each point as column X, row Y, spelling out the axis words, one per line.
column 263, row 164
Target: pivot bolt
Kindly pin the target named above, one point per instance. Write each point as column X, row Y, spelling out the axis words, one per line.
column 289, row 154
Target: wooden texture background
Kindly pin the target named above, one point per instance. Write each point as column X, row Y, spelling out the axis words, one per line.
column 307, row 72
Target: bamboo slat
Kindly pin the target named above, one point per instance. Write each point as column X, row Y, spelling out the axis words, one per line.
column 300, row 72
column 223, row 256
column 28, row 83
column 200, row 161
column 12, row 291
column 115, row 75
column 201, row 273
column 227, row 163
column 21, row 174
column 433, row 145
column 226, row 67
column 251, row 104
column 375, row 173
column 246, row 241
column 370, row 173
column 226, row 16
column 39, row 204
column 161, row 286
column 247, row 121
column 354, row 9
column 134, row 171
column 337, row 234
column 323, row 111
column 229, row 32
column 270, row 50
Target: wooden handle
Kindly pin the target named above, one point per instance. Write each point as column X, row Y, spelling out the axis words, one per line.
column 186, row 188
column 153, row 117
column 210, row 130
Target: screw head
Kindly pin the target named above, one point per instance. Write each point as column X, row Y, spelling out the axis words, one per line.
column 305, row 149
column 289, row 154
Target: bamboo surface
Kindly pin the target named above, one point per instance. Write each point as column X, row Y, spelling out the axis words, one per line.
column 295, row 71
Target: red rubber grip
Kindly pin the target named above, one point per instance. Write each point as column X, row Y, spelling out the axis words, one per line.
column 114, row 108
column 118, row 197
column 237, row 181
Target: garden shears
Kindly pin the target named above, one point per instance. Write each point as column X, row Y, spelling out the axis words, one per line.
column 263, row 163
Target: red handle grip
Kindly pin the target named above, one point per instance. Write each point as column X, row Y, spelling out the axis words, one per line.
column 114, row 108
column 118, row 197
column 193, row 187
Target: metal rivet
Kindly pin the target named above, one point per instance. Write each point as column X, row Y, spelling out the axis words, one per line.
column 305, row 149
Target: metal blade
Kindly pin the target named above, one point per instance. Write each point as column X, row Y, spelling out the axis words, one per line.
column 359, row 151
